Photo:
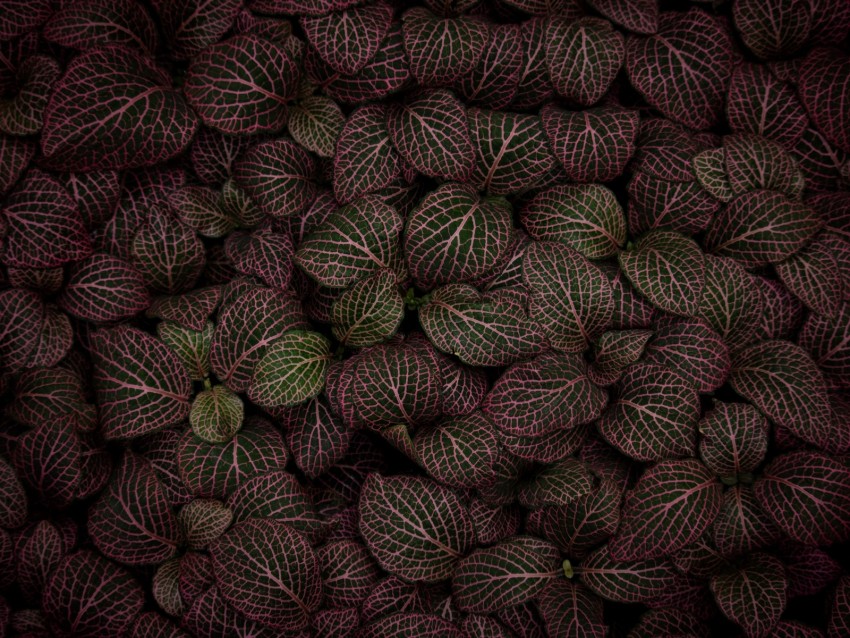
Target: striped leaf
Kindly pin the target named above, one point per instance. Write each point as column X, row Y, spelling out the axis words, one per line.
column 588, row 218
column 455, row 236
column 653, row 416
column 507, row 574
column 355, row 241
column 216, row 414
column 480, row 330
column 631, row 582
column 140, row 384
column 811, row 485
column 673, row 503
column 753, row 595
column 108, row 111
column 316, row 123
column 349, row 39
column 583, row 57
column 22, row 313
column 415, row 529
column 493, row 82
column 547, row 393
column 430, row 131
column 683, row 69
column 691, row 349
column 570, row 298
column 368, row 312
column 733, row 438
column 668, row 269
column 292, row 369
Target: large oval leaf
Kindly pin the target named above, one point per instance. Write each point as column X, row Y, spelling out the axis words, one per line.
column 291, row 370
column 48, row 459
column 626, row 582
column 140, row 384
column 104, row 288
column 109, row 110
column 87, row 24
column 414, row 528
column 569, row 609
column 269, row 573
column 753, row 595
column 733, row 438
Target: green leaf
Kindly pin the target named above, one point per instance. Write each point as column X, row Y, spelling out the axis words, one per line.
column 292, row 370
column 216, row 414
column 316, row 124
column 191, row 346
column 369, row 312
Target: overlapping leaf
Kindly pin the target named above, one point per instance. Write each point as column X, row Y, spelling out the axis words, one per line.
column 348, row 573
column 49, row 395
column 87, row 24
column 369, row 312
column 115, row 109
column 556, row 485
column 202, row 521
column 403, row 624
column 317, row 438
column 693, row 350
column 823, row 83
column 13, row 497
column 493, row 81
column 15, row 155
column 190, row 26
column 48, row 460
column 316, row 123
column 733, row 438
column 192, row 346
column 533, row 87
column 813, row 276
column 104, row 288
column 569, row 609
column 21, row 16
column 216, row 414
column 753, row 596
column 291, row 370
column 415, row 529
column 631, row 582
column 638, row 16
column 741, row 525
column 826, row 340
column 23, row 113
column 753, row 163
column 169, row 254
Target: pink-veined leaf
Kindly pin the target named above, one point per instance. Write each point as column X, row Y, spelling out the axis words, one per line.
column 569, row 609
column 637, row 16
column 586, row 217
column 430, row 131
column 265, row 254
column 43, row 224
column 399, row 625
column 336, row 622
column 733, row 438
column 741, row 525
column 654, row 415
column 365, row 160
column 167, row 252
column 811, row 487
column 15, row 156
column 753, row 595
column 355, row 241
column 731, row 301
column 773, row 30
column 132, row 522
column 684, row 68
column 22, row 317
column 673, row 503
column 630, row 310
column 813, row 276
column 480, row 330
column 89, row 596
column 615, row 351
column 820, row 162
column 827, row 340
column 242, row 85
column 277, row 176
column 48, row 460
column 213, row 470
column 115, row 109
column 545, row 394
column 392, row 595
column 202, row 521
column 368, row 312
column 480, row 626
column 348, row 573
column 191, row 346
column 795, row 629
column 455, row 236
column 22, row 16
column 570, row 298
column 668, row 622
column 507, row 574
column 441, row 50
column 13, row 497
column 246, row 327
column 710, row 171
column 692, row 349
column 269, row 573
column 212, row 154
column 753, row 163
column 668, row 269
column 512, row 154
column 625, row 582
column 22, row 113
column 43, row 395
column 782, row 312
column 165, row 587
column 140, row 384
column 152, row 624
column 533, row 86
column 785, row 384
column 545, row 448
column 349, row 39
column 463, row 387
column 55, row 341
column 211, row 616
column 759, row 102
column 556, row 485
column 761, row 227
column 316, row 123
column 839, row 616
column 216, row 414
column 39, row 550
column 493, row 82
column 317, row 438
column 823, row 90
column 190, row 310
column 190, row 26
column 201, row 208
column 97, row 194
column 583, row 57
column 91, row 23
column 415, row 528
column 592, row 145
column 655, row 202
column 291, row 370
column 493, row 523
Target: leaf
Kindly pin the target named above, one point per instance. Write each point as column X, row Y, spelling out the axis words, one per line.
column 44, row 227
column 534, row 86
column 277, row 176
column 104, row 288
column 405, row 623
column 200, row 207
column 441, row 51
column 190, row 26
column 269, row 573
column 430, row 131
column 783, row 382
column 742, row 526
column 812, row 275
column 210, row 614
column 22, row 313
column 463, row 387
column 211, row 470
column 246, row 327
column 91, row 23
column 453, row 236
column 242, row 85
column 292, row 369
column 638, row 16
column 512, row 154
column 349, row 39
column 22, row 113
column 710, row 171
column 733, row 438
column 131, row 522
column 507, row 574
column 48, row 460
column 822, row 87
column 556, row 485
column 592, row 145
column 265, row 254
column 772, row 31
column 755, row 163
column 673, row 503
column 22, row 16
column 583, row 57
column 753, row 596
column 415, row 529
column 569, row 609
column 216, row 414
column 355, row 241
column 348, row 573
column 169, row 254
column 365, row 160
column 107, row 112
column 479, row 330
column 626, row 582
column 317, row 438
column 493, row 81
column 15, row 156
column 392, row 595
column 731, row 301
column 202, row 521
column 192, row 346
column 316, row 123
column 13, row 498
column 368, row 312
column 828, row 342
column 45, row 396
column 656, row 203
column 570, row 298
column 616, row 350
column 140, row 384
column 654, row 415
column 811, row 485
column 89, row 596
column 683, row 69
column 588, row 218
column 547, row 393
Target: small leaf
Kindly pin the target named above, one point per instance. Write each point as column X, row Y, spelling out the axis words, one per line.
column 710, row 171
column 638, row 16
column 203, row 520
column 192, row 346
column 753, row 596
column 733, row 438
column 316, row 123
column 216, row 414
column 570, row 609
column 317, row 438
column 742, row 526
column 813, row 276
column 368, row 312
column 292, row 369
column 632, row 582
column 753, row 162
